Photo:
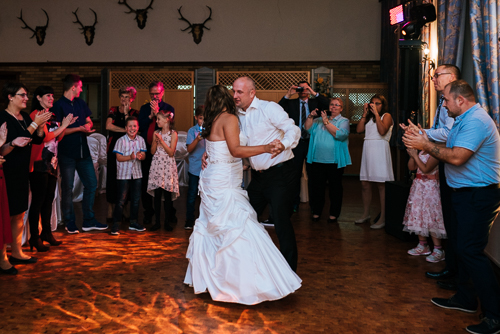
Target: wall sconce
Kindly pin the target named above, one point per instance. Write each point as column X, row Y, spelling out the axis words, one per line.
column 432, row 64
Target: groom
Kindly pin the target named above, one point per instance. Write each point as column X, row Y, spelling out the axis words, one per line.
column 273, row 177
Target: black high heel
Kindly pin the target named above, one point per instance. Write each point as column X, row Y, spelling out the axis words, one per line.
column 14, row 260
column 38, row 244
column 49, row 237
column 11, row 271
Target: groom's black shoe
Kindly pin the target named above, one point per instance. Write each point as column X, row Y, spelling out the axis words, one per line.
column 443, row 274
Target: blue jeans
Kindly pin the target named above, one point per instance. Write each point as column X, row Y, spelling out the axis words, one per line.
column 132, row 188
column 191, row 196
column 86, row 172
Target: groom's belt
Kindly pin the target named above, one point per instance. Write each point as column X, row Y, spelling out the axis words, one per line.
column 281, row 164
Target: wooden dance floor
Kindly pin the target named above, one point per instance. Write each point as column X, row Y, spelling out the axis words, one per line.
column 355, row 280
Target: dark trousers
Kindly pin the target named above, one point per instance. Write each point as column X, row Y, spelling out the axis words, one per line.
column 451, row 229
column 111, row 184
column 127, row 189
column 191, row 196
column 167, row 205
column 147, row 200
column 275, row 186
column 319, row 175
column 43, row 186
column 299, row 156
column 86, row 172
column 473, row 213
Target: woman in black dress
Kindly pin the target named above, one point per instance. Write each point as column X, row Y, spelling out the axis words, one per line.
column 43, row 170
column 115, row 124
column 16, row 151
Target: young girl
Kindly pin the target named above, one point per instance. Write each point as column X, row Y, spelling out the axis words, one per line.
column 423, row 214
column 163, row 178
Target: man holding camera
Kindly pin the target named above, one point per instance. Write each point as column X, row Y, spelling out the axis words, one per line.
column 298, row 109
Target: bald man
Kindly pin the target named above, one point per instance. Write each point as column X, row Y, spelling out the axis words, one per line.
column 273, row 180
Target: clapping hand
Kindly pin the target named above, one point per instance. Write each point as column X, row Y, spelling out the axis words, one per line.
column 158, row 137
column 154, row 107
column 132, row 156
column 42, row 117
column 86, row 129
column 21, row 141
column 314, row 112
column 68, row 120
column 410, row 127
column 140, row 155
column 414, row 139
column 3, row 134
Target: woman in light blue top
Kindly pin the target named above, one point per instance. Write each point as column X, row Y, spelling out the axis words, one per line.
column 328, row 155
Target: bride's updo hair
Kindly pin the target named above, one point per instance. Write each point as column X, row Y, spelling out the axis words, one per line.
column 219, row 99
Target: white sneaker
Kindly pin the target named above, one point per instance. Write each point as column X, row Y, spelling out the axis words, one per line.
column 436, row 256
column 420, row 250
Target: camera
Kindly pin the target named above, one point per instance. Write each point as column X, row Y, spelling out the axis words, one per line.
column 318, row 113
column 299, row 89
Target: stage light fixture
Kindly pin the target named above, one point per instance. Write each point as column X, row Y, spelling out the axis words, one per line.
column 419, row 16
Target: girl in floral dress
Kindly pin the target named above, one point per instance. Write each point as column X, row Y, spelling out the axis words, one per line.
column 423, row 214
column 163, row 180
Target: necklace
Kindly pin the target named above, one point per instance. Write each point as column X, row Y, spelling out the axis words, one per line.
column 24, row 121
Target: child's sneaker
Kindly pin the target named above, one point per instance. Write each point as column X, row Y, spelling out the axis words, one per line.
column 420, row 250
column 436, row 256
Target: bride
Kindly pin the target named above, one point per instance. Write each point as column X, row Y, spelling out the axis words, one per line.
column 230, row 254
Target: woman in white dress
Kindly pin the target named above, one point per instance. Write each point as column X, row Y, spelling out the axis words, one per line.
column 376, row 161
column 230, row 254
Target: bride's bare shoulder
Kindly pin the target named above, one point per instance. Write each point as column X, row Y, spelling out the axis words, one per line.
column 226, row 118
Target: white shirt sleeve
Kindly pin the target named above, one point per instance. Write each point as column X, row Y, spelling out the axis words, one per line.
column 440, row 135
column 281, row 120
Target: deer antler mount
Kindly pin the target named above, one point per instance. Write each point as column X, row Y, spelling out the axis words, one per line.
column 197, row 28
column 39, row 31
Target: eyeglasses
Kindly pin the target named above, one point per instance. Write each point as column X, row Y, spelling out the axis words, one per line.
column 436, row 75
column 23, row 95
column 336, row 105
column 377, row 103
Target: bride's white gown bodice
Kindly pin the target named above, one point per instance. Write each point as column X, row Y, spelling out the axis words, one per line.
column 230, row 254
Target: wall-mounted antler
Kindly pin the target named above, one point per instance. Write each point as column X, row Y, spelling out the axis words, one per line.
column 39, row 31
column 197, row 28
column 88, row 31
column 141, row 15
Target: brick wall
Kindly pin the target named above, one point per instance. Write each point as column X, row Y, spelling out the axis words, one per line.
column 34, row 75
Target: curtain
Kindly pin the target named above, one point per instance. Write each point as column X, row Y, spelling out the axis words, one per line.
column 451, row 21
column 485, row 53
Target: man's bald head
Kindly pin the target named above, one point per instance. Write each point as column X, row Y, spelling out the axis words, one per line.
column 244, row 92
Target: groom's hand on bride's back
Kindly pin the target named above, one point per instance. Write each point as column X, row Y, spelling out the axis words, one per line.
column 204, row 162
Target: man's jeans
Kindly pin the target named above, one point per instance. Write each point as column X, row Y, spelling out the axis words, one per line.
column 86, row 172
column 191, row 196
column 132, row 188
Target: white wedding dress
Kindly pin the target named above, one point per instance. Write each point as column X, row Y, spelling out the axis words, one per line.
column 230, row 254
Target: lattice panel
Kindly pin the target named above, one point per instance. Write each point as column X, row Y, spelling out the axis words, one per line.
column 141, row 80
column 268, row 81
column 355, row 98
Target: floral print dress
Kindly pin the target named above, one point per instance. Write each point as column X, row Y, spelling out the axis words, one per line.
column 423, row 215
column 163, row 172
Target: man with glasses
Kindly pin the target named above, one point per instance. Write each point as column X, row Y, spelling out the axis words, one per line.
column 147, row 124
column 444, row 74
column 299, row 109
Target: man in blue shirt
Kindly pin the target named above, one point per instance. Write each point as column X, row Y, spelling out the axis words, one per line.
column 147, row 117
column 74, row 154
column 472, row 157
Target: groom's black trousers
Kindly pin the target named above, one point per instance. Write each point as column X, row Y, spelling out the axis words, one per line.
column 276, row 186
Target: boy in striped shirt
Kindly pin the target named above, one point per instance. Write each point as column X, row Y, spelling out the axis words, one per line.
column 130, row 150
